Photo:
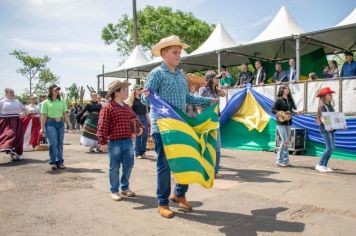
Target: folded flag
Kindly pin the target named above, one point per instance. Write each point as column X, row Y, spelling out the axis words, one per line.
column 189, row 143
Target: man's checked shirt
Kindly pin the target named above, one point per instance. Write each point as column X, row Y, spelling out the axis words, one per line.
column 173, row 88
column 115, row 122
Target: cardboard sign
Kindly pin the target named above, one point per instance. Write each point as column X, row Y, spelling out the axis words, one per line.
column 334, row 120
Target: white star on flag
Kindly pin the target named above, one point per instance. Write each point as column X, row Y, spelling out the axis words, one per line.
column 164, row 110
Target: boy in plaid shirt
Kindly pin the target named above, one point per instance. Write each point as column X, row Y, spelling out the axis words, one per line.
column 115, row 136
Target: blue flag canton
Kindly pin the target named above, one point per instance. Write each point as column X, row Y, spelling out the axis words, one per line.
column 161, row 108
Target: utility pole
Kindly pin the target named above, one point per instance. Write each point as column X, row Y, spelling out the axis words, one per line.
column 134, row 14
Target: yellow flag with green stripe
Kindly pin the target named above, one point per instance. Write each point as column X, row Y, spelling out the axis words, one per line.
column 189, row 143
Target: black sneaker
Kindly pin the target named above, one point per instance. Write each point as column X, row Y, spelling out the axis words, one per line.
column 61, row 166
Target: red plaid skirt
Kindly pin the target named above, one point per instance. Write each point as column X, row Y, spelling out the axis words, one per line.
column 11, row 135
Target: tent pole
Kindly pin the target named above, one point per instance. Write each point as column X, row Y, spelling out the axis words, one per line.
column 297, row 56
column 103, row 67
column 98, row 83
column 127, row 75
column 219, row 62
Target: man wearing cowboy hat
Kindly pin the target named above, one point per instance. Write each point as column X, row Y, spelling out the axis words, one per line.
column 168, row 82
column 115, row 135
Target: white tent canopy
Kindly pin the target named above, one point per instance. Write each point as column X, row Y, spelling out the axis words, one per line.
column 282, row 25
column 350, row 19
column 136, row 58
column 160, row 59
column 207, row 55
column 217, row 40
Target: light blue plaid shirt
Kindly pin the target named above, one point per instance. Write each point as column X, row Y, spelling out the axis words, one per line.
column 173, row 88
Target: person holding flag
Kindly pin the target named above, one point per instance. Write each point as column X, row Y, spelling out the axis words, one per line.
column 170, row 84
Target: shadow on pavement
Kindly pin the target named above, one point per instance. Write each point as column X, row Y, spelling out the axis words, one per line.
column 248, row 175
column 335, row 171
column 75, row 170
column 151, row 202
column 24, row 161
column 260, row 220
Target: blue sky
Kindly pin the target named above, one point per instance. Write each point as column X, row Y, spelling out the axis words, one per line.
column 69, row 31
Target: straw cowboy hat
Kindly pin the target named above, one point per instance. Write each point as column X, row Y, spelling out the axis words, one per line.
column 167, row 42
column 115, row 85
column 324, row 91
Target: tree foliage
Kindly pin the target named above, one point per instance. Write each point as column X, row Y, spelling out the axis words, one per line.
column 154, row 24
column 36, row 71
column 73, row 92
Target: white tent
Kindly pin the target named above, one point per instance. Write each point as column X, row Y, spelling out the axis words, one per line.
column 136, row 58
column 160, row 59
column 217, row 40
column 211, row 53
column 282, row 25
column 350, row 19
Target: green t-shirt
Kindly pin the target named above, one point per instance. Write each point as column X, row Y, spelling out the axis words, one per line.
column 227, row 80
column 54, row 109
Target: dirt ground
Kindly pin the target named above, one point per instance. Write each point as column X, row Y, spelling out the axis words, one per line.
column 253, row 197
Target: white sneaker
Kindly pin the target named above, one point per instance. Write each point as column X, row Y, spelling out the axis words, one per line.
column 328, row 169
column 116, row 196
column 139, row 157
column 320, row 168
column 281, row 165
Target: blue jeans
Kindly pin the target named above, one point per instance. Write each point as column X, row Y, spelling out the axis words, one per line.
column 120, row 152
column 329, row 140
column 55, row 136
column 164, row 175
column 283, row 153
column 141, row 141
column 218, row 153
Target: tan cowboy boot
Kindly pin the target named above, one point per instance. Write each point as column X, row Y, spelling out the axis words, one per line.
column 182, row 202
column 165, row 212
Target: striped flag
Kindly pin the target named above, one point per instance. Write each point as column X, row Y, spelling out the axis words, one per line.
column 189, row 143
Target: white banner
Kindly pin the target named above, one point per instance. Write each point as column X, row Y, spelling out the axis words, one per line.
column 267, row 91
column 348, row 96
column 314, row 87
column 231, row 92
column 222, row 103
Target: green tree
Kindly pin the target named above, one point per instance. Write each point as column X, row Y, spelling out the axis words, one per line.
column 31, row 66
column 45, row 79
column 24, row 97
column 73, row 92
column 154, row 24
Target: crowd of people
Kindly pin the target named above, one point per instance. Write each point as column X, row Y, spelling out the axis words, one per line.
column 280, row 76
column 121, row 125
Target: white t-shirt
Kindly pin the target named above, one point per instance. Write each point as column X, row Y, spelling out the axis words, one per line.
column 11, row 107
column 291, row 74
column 32, row 109
column 258, row 75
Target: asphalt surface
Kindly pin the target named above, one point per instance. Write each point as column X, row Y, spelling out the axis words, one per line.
column 253, row 197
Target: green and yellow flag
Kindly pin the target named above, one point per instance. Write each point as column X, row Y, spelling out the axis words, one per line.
column 189, row 143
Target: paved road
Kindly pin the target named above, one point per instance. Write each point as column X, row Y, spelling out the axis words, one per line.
column 254, row 197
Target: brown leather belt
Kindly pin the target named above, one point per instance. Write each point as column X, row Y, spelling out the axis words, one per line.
column 55, row 119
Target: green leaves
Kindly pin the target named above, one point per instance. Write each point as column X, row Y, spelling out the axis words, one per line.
column 154, row 24
column 36, row 71
column 73, row 92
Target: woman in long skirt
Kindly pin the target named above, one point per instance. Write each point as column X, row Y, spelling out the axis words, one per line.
column 11, row 134
column 90, row 125
column 31, row 126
